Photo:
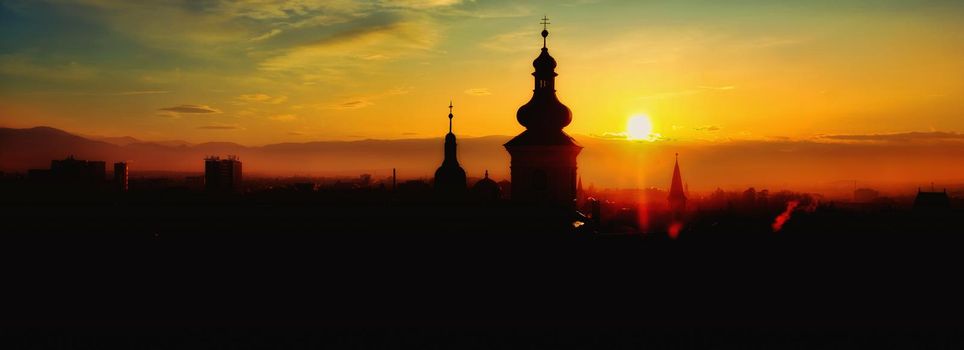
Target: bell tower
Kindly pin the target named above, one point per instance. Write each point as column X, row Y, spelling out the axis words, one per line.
column 450, row 177
column 543, row 165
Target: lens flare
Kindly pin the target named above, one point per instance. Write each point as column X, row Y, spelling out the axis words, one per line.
column 784, row 216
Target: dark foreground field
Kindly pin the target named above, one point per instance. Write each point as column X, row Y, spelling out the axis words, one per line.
column 406, row 274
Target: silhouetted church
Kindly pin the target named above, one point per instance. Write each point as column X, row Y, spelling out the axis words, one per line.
column 677, row 197
column 487, row 189
column 450, row 177
column 543, row 166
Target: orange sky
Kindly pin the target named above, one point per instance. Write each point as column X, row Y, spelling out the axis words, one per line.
column 269, row 72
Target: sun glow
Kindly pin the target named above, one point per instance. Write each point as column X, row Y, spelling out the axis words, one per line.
column 640, row 127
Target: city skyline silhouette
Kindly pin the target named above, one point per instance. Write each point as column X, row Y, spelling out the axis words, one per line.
column 279, row 174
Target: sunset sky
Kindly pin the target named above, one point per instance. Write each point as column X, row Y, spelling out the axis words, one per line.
column 259, row 72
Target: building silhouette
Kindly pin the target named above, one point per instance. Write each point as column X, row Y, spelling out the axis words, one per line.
column 71, row 173
column 120, row 176
column 450, row 177
column 71, row 170
column 486, row 189
column 222, row 175
column 543, row 157
column 677, row 197
column 931, row 201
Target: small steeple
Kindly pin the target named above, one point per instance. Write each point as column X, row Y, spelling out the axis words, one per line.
column 676, row 188
column 450, row 177
column 450, row 142
column 677, row 196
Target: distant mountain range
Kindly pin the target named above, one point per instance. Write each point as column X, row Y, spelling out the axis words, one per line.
column 773, row 164
column 22, row 149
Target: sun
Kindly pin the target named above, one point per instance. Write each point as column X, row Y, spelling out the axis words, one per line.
column 639, row 128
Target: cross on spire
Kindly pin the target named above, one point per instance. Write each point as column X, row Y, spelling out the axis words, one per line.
column 545, row 29
column 450, row 116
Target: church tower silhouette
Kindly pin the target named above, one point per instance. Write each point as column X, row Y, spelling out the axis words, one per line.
column 677, row 197
column 450, row 177
column 543, row 166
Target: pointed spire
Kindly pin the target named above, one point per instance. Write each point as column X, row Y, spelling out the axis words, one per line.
column 486, row 173
column 545, row 30
column 677, row 196
column 676, row 187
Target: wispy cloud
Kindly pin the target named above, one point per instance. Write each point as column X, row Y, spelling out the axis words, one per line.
column 914, row 136
column 351, row 48
column 262, row 98
column 191, row 109
column 707, row 128
column 218, row 127
column 653, row 137
column 613, row 135
column 267, row 35
column 420, row 4
column 478, row 92
column 368, row 100
column 353, row 104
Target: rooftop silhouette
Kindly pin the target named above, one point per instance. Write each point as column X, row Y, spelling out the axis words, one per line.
column 450, row 177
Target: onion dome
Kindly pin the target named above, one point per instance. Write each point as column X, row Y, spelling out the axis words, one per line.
column 544, row 111
column 544, row 116
column 487, row 188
